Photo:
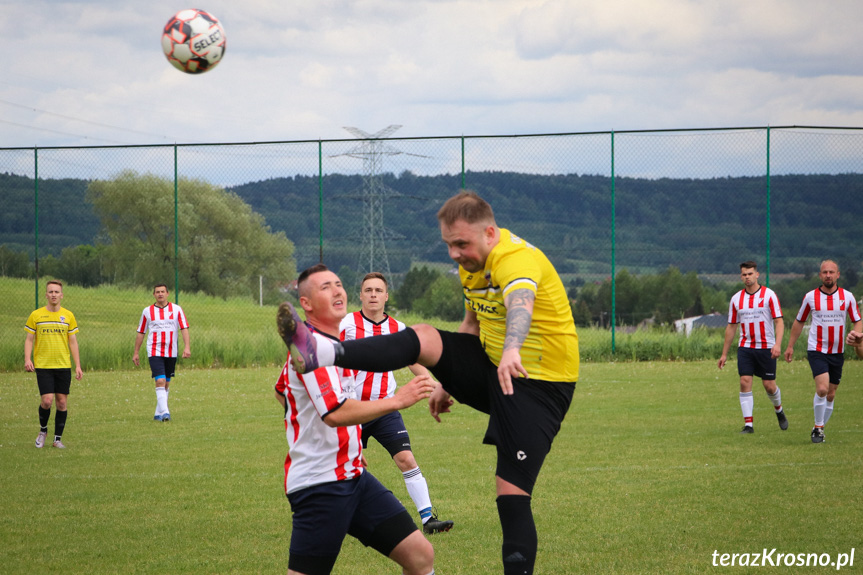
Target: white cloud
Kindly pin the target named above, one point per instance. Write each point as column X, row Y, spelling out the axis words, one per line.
column 92, row 71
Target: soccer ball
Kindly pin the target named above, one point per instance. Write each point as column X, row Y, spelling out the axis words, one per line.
column 193, row 41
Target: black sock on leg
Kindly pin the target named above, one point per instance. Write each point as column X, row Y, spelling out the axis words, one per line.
column 59, row 424
column 519, row 534
column 44, row 414
column 380, row 354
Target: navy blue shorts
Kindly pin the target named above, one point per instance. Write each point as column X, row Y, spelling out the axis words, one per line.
column 756, row 362
column 324, row 514
column 826, row 363
column 163, row 367
column 54, row 381
column 390, row 431
column 522, row 426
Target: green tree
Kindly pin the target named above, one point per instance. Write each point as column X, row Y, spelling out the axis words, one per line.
column 417, row 281
column 79, row 265
column 14, row 264
column 224, row 247
column 443, row 299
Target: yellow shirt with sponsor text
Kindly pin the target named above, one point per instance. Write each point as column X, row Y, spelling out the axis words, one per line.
column 52, row 330
column 550, row 351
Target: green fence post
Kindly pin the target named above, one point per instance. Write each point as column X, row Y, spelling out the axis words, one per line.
column 767, row 281
column 176, row 234
column 613, row 263
column 36, row 222
column 462, row 163
column 321, row 200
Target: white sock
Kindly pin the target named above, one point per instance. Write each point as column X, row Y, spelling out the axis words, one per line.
column 161, row 401
column 819, row 404
column 418, row 489
column 828, row 411
column 746, row 403
column 776, row 399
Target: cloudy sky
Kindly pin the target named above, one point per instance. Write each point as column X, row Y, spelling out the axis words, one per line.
column 93, row 73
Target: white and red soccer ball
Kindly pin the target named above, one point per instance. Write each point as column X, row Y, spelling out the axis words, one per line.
column 193, row 41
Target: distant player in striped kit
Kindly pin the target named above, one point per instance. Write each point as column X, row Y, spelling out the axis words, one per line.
column 389, row 430
column 330, row 491
column 830, row 306
column 163, row 322
column 756, row 309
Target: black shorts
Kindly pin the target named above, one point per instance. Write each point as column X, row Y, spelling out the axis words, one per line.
column 54, row 381
column 830, row 363
column 324, row 514
column 522, row 426
column 163, row 367
column 390, row 431
column 756, row 362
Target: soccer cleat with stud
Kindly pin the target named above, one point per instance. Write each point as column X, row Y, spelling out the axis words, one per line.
column 298, row 338
column 747, row 429
column 40, row 439
column 166, row 417
column 817, row 435
column 783, row 421
column 59, row 444
column 435, row 525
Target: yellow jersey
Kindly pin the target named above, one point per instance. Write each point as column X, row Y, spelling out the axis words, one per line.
column 550, row 351
column 52, row 330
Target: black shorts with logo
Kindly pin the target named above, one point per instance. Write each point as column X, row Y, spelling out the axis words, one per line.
column 54, row 380
column 756, row 362
column 522, row 426
column 829, row 363
column 390, row 431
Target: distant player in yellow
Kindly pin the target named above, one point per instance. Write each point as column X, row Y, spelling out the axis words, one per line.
column 51, row 340
column 515, row 357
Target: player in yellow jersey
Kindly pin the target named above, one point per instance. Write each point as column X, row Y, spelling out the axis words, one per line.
column 51, row 340
column 515, row 357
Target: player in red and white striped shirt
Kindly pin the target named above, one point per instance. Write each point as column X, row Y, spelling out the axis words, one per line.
column 163, row 322
column 756, row 308
column 389, row 430
column 330, row 492
column 829, row 306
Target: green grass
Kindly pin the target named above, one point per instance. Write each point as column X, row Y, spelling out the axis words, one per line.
column 240, row 333
column 648, row 475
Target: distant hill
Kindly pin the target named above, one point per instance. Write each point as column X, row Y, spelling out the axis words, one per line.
column 706, row 225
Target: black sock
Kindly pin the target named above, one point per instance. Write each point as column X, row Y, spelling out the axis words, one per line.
column 519, row 534
column 44, row 414
column 59, row 424
column 380, row 354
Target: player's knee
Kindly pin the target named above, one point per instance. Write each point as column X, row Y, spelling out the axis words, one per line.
column 414, row 554
column 405, row 460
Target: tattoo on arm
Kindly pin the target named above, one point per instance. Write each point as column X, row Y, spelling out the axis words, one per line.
column 519, row 311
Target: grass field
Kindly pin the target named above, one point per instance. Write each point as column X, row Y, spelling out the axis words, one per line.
column 648, row 475
column 239, row 333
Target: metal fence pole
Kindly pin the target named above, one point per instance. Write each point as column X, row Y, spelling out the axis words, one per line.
column 613, row 278
column 321, row 200
column 36, row 217
column 176, row 233
column 767, row 282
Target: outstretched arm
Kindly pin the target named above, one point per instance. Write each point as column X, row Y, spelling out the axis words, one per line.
column 354, row 412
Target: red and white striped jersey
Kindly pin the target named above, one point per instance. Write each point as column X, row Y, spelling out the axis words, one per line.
column 164, row 325
column 755, row 313
column 829, row 313
column 370, row 386
column 317, row 453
